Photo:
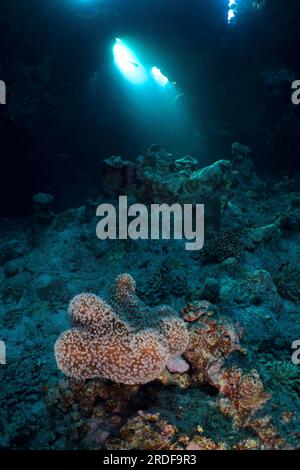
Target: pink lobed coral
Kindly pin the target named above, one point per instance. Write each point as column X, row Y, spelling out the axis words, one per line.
column 103, row 346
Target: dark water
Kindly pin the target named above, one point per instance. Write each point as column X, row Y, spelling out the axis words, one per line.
column 66, row 97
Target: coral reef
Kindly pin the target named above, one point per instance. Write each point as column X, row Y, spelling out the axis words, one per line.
column 203, row 443
column 118, row 174
column 186, row 165
column 283, row 373
column 211, row 395
column 224, row 245
column 210, row 343
column 92, row 410
column 287, row 282
column 104, row 346
column 244, row 394
column 160, row 177
column 268, row 435
column 156, row 177
column 146, row 432
column 195, row 310
column 165, row 281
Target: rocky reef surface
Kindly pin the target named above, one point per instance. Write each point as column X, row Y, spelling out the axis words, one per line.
column 235, row 387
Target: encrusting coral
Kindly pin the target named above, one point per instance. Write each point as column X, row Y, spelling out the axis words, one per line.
column 146, row 431
column 287, row 281
column 244, row 392
column 210, row 343
column 102, row 345
column 269, row 438
column 195, row 310
column 225, row 244
column 129, row 356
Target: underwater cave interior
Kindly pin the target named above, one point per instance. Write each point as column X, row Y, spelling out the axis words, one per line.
column 113, row 334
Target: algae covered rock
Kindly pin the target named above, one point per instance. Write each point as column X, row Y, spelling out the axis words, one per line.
column 118, row 175
column 43, row 207
column 211, row 185
column 245, row 175
column 211, row 178
column 268, row 233
column 13, row 249
column 186, row 164
column 157, row 180
column 252, row 288
column 163, row 179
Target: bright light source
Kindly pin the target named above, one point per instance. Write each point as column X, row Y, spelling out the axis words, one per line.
column 231, row 15
column 159, row 77
column 128, row 64
column 231, row 11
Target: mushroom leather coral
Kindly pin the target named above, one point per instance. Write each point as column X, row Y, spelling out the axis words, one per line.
column 102, row 345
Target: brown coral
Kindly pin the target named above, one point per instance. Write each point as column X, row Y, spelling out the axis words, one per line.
column 267, row 433
column 176, row 334
column 195, row 310
column 145, row 431
column 135, row 360
column 124, row 289
column 244, row 392
column 247, row 444
column 91, row 311
column 104, row 346
column 204, row 443
column 90, row 410
column 76, row 351
column 209, row 344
